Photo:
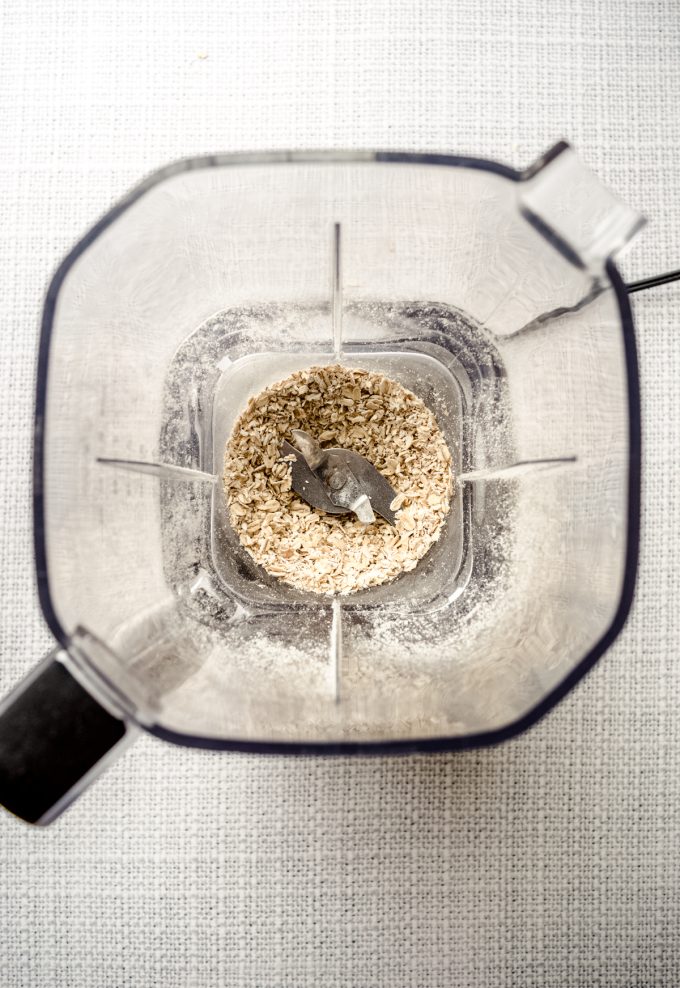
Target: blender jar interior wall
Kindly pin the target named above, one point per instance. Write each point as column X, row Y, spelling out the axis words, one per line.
column 215, row 282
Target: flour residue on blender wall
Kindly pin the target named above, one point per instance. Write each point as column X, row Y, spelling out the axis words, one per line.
column 370, row 414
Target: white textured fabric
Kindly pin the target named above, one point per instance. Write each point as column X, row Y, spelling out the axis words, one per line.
column 550, row 861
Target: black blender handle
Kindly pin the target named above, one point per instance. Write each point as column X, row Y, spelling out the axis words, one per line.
column 53, row 737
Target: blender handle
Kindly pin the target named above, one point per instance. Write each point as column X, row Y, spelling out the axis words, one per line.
column 54, row 740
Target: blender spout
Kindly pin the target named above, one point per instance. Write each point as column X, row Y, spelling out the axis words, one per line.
column 569, row 205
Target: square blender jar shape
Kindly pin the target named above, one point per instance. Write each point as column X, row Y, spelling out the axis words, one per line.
column 432, row 378
column 459, row 278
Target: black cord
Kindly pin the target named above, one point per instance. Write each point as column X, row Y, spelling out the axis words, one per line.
column 659, row 279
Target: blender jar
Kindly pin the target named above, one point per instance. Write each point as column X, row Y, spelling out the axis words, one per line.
column 489, row 293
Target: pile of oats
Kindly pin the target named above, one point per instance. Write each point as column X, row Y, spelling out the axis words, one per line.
column 358, row 410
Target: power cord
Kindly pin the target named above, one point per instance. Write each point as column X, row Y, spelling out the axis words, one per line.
column 659, row 279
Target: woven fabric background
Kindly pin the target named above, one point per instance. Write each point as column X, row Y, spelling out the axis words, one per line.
column 550, row 861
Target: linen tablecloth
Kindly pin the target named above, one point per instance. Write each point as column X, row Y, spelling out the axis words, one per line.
column 550, row 861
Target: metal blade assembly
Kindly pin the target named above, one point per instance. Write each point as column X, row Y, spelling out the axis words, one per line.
column 338, row 480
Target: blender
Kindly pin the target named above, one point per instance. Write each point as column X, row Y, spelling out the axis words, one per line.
column 489, row 293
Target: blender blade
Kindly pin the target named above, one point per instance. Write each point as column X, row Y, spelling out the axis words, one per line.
column 338, row 480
